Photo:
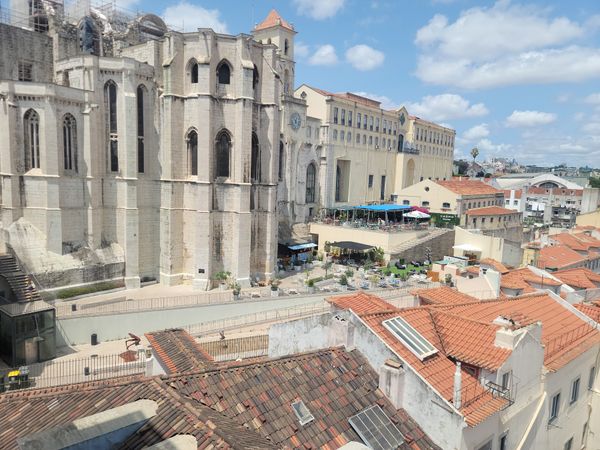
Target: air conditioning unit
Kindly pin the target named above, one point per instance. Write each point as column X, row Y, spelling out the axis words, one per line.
column 377, row 147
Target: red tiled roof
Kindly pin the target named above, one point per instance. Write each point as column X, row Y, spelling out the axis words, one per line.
column 247, row 406
column 496, row 265
column 334, row 384
column 564, row 335
column 52, row 407
column 361, row 303
column 273, row 19
column 178, row 351
column 555, row 191
column 579, row 277
column 491, row 211
column 579, row 241
column 518, row 193
column 468, row 187
column 437, row 370
column 521, row 279
column 559, row 257
column 442, row 295
column 591, row 310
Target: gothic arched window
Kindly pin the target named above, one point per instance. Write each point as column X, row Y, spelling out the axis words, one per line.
column 70, row 142
column 310, row 183
column 141, row 90
column 255, row 163
column 224, row 73
column 192, row 152
column 281, row 160
column 193, row 69
column 222, row 154
column 31, row 139
column 110, row 108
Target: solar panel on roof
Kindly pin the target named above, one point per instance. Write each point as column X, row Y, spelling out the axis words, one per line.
column 410, row 337
column 376, row 429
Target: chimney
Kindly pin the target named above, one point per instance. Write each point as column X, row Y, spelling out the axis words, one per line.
column 457, row 387
column 391, row 382
column 506, row 335
column 493, row 277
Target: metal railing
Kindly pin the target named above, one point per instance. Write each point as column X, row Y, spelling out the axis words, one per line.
column 564, row 340
column 244, row 347
column 71, row 310
column 256, row 318
column 71, row 371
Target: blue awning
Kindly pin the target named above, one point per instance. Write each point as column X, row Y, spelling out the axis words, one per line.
column 302, row 246
column 384, row 208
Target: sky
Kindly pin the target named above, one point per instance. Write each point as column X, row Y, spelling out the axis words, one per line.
column 514, row 78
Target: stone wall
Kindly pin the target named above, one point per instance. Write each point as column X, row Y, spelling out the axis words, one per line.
column 21, row 45
column 440, row 246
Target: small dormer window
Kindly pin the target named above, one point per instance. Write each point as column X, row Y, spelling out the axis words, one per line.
column 302, row 413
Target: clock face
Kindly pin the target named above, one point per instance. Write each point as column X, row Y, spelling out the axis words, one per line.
column 296, row 121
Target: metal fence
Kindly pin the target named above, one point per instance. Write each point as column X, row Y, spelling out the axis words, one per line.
column 261, row 317
column 64, row 372
column 238, row 348
column 123, row 305
column 560, row 342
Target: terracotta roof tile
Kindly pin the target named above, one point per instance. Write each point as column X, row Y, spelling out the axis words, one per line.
column 442, row 295
column 438, row 370
column 361, row 303
column 496, row 265
column 468, row 187
column 580, row 277
column 564, row 334
column 578, row 242
column 333, row 384
column 491, row 211
column 243, row 406
column 524, row 279
column 589, row 309
column 518, row 193
column 273, row 19
column 559, row 257
column 178, row 351
column 52, row 407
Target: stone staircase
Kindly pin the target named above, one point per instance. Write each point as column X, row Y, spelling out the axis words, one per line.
column 20, row 283
column 435, row 235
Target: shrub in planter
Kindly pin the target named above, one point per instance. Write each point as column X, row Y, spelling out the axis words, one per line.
column 344, row 280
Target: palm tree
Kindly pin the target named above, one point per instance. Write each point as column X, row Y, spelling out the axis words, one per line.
column 474, row 153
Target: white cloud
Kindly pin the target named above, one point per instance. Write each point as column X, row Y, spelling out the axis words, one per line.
column 505, row 44
column 593, row 99
column 477, row 132
column 301, row 49
column 445, row 107
column 324, row 56
column 386, row 102
column 319, row 9
column 529, row 119
column 363, row 57
column 191, row 17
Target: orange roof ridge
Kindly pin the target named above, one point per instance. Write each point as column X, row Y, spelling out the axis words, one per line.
column 274, row 19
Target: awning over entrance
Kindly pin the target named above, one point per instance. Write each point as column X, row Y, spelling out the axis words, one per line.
column 302, row 246
column 384, row 208
column 467, row 248
column 350, row 245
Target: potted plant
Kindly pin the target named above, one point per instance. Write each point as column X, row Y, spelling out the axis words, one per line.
column 222, row 276
column 275, row 287
column 310, row 283
column 448, row 280
column 309, row 262
column 297, row 265
column 236, row 289
column 374, row 279
column 344, row 282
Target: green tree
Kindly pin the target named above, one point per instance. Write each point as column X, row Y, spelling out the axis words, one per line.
column 595, row 182
column 474, row 153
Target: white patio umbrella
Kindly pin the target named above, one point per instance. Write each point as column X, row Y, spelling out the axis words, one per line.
column 417, row 215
